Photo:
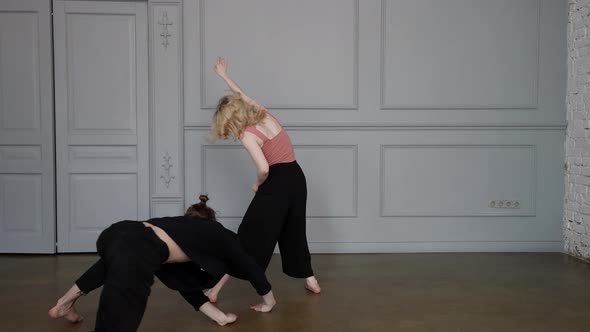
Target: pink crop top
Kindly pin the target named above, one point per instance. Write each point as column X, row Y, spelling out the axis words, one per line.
column 278, row 149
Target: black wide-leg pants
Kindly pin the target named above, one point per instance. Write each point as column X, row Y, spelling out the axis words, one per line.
column 130, row 254
column 277, row 214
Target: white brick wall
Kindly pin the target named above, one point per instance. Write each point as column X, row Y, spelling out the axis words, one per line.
column 577, row 146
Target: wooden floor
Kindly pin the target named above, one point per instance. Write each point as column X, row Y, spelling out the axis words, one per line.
column 396, row 292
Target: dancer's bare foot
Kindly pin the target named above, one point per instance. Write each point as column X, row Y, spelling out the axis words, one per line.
column 312, row 285
column 218, row 316
column 65, row 306
column 67, row 311
column 228, row 319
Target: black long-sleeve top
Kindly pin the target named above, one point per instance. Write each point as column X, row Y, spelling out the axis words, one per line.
column 213, row 250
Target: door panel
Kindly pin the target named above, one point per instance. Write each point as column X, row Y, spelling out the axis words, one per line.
column 101, row 118
column 27, row 195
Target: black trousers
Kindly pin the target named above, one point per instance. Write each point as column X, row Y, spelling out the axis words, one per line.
column 130, row 253
column 277, row 214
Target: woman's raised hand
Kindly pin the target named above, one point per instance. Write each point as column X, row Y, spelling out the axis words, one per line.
column 220, row 67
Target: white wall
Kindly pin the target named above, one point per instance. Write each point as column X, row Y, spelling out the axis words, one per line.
column 412, row 119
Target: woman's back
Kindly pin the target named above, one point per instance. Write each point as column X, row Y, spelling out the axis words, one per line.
column 270, row 126
column 274, row 141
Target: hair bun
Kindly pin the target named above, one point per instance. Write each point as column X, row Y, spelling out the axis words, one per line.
column 203, row 198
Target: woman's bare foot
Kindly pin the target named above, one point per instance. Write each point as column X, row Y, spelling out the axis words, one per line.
column 312, row 285
column 67, row 311
column 218, row 316
column 65, row 306
column 228, row 319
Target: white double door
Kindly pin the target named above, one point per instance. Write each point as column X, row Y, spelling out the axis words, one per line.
column 68, row 171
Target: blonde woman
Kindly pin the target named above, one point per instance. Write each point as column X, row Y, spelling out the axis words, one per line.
column 277, row 211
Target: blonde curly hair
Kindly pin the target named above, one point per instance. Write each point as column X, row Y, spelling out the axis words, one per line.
column 232, row 116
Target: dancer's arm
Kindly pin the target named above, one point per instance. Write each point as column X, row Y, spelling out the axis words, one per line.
column 221, row 70
column 249, row 142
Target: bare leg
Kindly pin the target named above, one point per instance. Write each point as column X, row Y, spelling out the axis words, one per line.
column 213, row 293
column 217, row 315
column 312, row 285
column 65, row 306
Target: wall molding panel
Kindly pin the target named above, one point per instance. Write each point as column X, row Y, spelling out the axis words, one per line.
column 87, row 98
column 15, row 189
column 305, row 41
column 167, row 207
column 398, row 127
column 322, row 177
column 20, row 152
column 527, row 11
column 414, row 247
column 465, row 207
column 23, row 91
column 167, row 104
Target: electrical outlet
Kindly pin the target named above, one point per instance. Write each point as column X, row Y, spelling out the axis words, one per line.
column 505, row 204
